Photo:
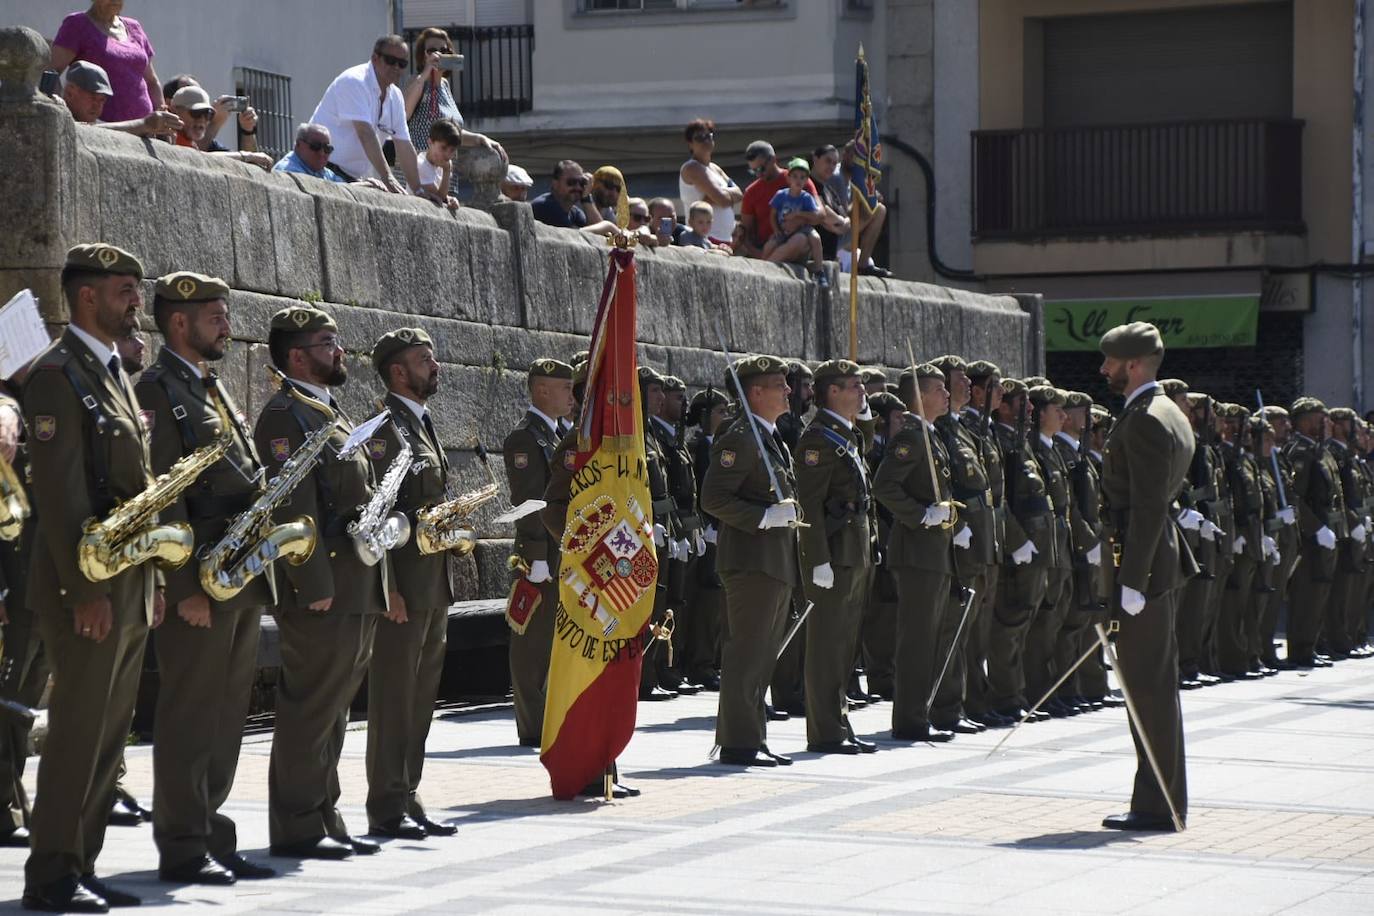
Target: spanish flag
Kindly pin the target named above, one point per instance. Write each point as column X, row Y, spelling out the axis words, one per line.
column 609, row 567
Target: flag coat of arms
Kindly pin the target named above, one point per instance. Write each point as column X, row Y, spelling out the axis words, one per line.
column 609, row 566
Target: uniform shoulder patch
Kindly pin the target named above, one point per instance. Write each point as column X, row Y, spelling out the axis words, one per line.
column 521, row 460
column 376, row 448
column 570, row 460
column 811, row 457
column 902, row 451
column 727, row 458
column 281, row 449
column 44, row 427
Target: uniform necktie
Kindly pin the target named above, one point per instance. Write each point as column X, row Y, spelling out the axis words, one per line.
column 113, row 366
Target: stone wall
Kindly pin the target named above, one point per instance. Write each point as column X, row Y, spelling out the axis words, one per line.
column 494, row 289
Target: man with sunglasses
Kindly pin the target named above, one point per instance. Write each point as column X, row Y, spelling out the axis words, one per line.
column 192, row 105
column 560, row 204
column 362, row 109
column 311, row 155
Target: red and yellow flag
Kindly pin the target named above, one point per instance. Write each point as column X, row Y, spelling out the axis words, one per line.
column 609, row 567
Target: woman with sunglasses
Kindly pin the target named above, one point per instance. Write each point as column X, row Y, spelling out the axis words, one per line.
column 701, row 179
column 429, row 97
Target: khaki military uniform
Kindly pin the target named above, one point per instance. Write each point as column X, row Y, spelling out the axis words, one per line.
column 407, row 658
column 1238, row 606
column 1347, row 585
column 655, row 670
column 705, row 594
column 1199, row 493
column 1358, row 602
column 1077, row 634
column 879, row 632
column 1043, row 640
column 324, row 655
column 759, row 569
column 85, row 458
column 789, row 674
column 206, row 674
column 977, row 689
column 1289, row 538
column 1321, row 504
column 681, row 481
column 1223, row 563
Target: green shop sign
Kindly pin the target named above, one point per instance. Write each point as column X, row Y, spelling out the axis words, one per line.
column 1185, row 321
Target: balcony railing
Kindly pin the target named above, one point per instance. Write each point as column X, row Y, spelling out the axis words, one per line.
column 497, row 76
column 1138, row 179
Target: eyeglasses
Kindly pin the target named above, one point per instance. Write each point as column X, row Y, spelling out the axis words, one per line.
column 318, row 145
column 392, row 60
column 641, row 217
column 330, row 343
column 575, row 182
column 705, row 136
column 611, row 185
column 203, row 114
column 438, row 50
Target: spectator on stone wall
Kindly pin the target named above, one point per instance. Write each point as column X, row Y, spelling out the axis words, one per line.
column 607, row 188
column 756, row 209
column 837, row 194
column 562, row 205
column 517, row 183
column 86, row 90
column 435, row 164
column 429, row 95
column 248, row 118
column 701, row 179
column 362, row 108
column 796, row 245
column 701, row 223
column 310, row 156
column 661, row 208
column 119, row 46
column 192, row 105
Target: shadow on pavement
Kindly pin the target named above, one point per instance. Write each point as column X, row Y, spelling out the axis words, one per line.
column 496, row 750
column 690, row 723
column 1072, row 840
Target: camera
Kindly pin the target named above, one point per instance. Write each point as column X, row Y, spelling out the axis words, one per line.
column 50, row 83
column 236, row 103
column 449, row 62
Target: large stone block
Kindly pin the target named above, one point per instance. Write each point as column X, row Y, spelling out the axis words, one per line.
column 491, row 263
column 348, row 250
column 250, row 225
column 516, row 348
column 493, row 574
column 39, row 187
column 295, row 238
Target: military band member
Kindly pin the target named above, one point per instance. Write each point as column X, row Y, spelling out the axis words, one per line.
column 89, row 451
column 207, row 650
column 1320, row 502
column 408, row 650
column 756, row 555
column 328, row 606
column 705, row 594
column 920, row 549
column 1144, row 463
column 527, row 451
column 667, row 431
column 836, row 553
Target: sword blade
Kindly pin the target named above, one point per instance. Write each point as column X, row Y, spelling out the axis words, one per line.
column 795, row 627
column 954, row 647
column 1045, row 699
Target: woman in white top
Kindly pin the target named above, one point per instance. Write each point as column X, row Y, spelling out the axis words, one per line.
column 701, row 179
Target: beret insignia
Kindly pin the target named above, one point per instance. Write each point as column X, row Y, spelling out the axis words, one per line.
column 106, row 256
column 300, row 317
column 186, row 286
column 902, row 451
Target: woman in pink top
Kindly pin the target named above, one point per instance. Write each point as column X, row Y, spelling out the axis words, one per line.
column 102, row 36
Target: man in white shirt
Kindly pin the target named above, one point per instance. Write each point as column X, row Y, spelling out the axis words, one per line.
column 362, row 109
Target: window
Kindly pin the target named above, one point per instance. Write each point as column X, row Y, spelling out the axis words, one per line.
column 270, row 95
column 644, row 6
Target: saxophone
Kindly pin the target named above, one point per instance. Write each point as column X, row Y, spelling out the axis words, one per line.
column 131, row 535
column 252, row 542
column 14, row 503
column 442, row 527
column 379, row 529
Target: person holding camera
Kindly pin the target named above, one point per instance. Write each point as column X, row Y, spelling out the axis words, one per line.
column 192, row 105
column 429, row 97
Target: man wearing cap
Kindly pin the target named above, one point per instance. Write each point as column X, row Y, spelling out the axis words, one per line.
column 1236, row 620
column 88, row 452
column 836, row 553
column 1321, row 511
column 673, row 549
column 207, row 650
column 527, row 451
column 517, row 183
column 756, row 208
column 1144, row 464
column 192, row 105
column 329, row 605
column 705, row 595
column 920, row 549
column 1200, row 518
column 788, row 684
column 408, row 651
column 86, row 88
column 756, row 554
column 879, row 631
column 1336, row 640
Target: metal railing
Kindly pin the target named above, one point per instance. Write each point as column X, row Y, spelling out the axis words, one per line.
column 270, row 95
column 1138, row 178
column 497, row 78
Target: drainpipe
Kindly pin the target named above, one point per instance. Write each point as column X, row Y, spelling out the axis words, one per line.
column 398, row 15
column 1357, row 212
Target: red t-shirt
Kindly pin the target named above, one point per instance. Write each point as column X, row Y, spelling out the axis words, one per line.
column 758, row 200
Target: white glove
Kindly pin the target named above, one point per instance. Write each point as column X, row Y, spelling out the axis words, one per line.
column 823, row 576
column 1270, row 548
column 1209, row 531
column 1326, row 537
column 1132, row 601
column 1095, row 555
column 1238, row 545
column 1288, row 515
column 1190, row 520
column 867, row 412
column 660, row 535
column 964, row 538
column 539, row 572
column 699, row 544
column 710, row 534
column 779, row 515
column 935, row 515
column 1359, row 532
column 1022, row 555
column 680, row 550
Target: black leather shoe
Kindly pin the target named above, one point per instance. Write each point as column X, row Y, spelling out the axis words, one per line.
column 745, row 757
column 1321, row 661
column 200, row 870
column 1189, row 683
column 1137, row 821
column 630, row 791
column 961, row 727
column 17, row 837
column 688, row 688
column 794, row 708
column 362, row 847
column 597, row 789
column 124, row 814
column 398, row 828
column 994, row 720
column 873, row 270
column 709, row 680
column 929, row 733
column 113, row 898
column 530, row 742
column 244, row 869
column 1244, row 675
column 778, row 715
column 780, row 759
column 325, row 847
column 832, row 747
column 65, row 895
column 1059, row 710
column 434, row 828
column 657, row 695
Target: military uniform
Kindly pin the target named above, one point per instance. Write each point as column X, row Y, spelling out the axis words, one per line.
column 1077, row 634
column 527, row 452
column 1347, row 587
column 788, row 684
column 407, row 657
column 1199, row 494
column 1285, row 531
column 705, row 595
column 1238, row 605
column 835, row 495
column 88, row 452
column 655, row 678
column 757, row 565
column 1043, row 640
column 879, row 633
column 1321, row 505
column 325, row 654
column 207, row 674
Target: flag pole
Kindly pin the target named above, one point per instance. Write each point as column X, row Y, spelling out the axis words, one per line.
column 854, row 221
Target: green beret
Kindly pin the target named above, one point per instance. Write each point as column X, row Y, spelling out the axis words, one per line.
column 882, row 403
column 981, row 369
column 581, row 356
column 749, row 366
column 930, row 370
column 950, row 364
column 103, row 259
column 834, row 369
column 673, row 383
column 1132, row 341
column 185, row 286
column 391, row 344
column 550, row 368
column 1076, row 399
column 1011, row 387
column 798, row 369
column 1306, row 405
column 1099, row 413
column 1342, row 413
column 870, row 375
column 702, row 403
column 1043, row 395
column 302, row 318
column 1197, row 397
column 648, row 375
column 579, row 375
column 1036, row 381
column 1173, row 387
column 1274, row 410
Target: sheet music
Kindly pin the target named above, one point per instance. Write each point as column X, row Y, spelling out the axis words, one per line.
column 22, row 333
column 363, row 432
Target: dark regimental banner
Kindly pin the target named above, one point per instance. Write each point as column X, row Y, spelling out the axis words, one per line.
column 1184, row 321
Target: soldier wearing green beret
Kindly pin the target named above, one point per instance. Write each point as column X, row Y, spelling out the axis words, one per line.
column 207, row 649
column 1246, row 541
column 1358, row 600
column 1324, row 523
column 789, row 675
column 329, row 605
column 836, row 553
column 408, row 651
column 874, row 379
column 879, row 633
column 528, row 453
column 706, row 416
column 657, row 679
column 88, row 452
column 752, row 494
column 1144, row 464
column 1203, row 515
column 1337, row 640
